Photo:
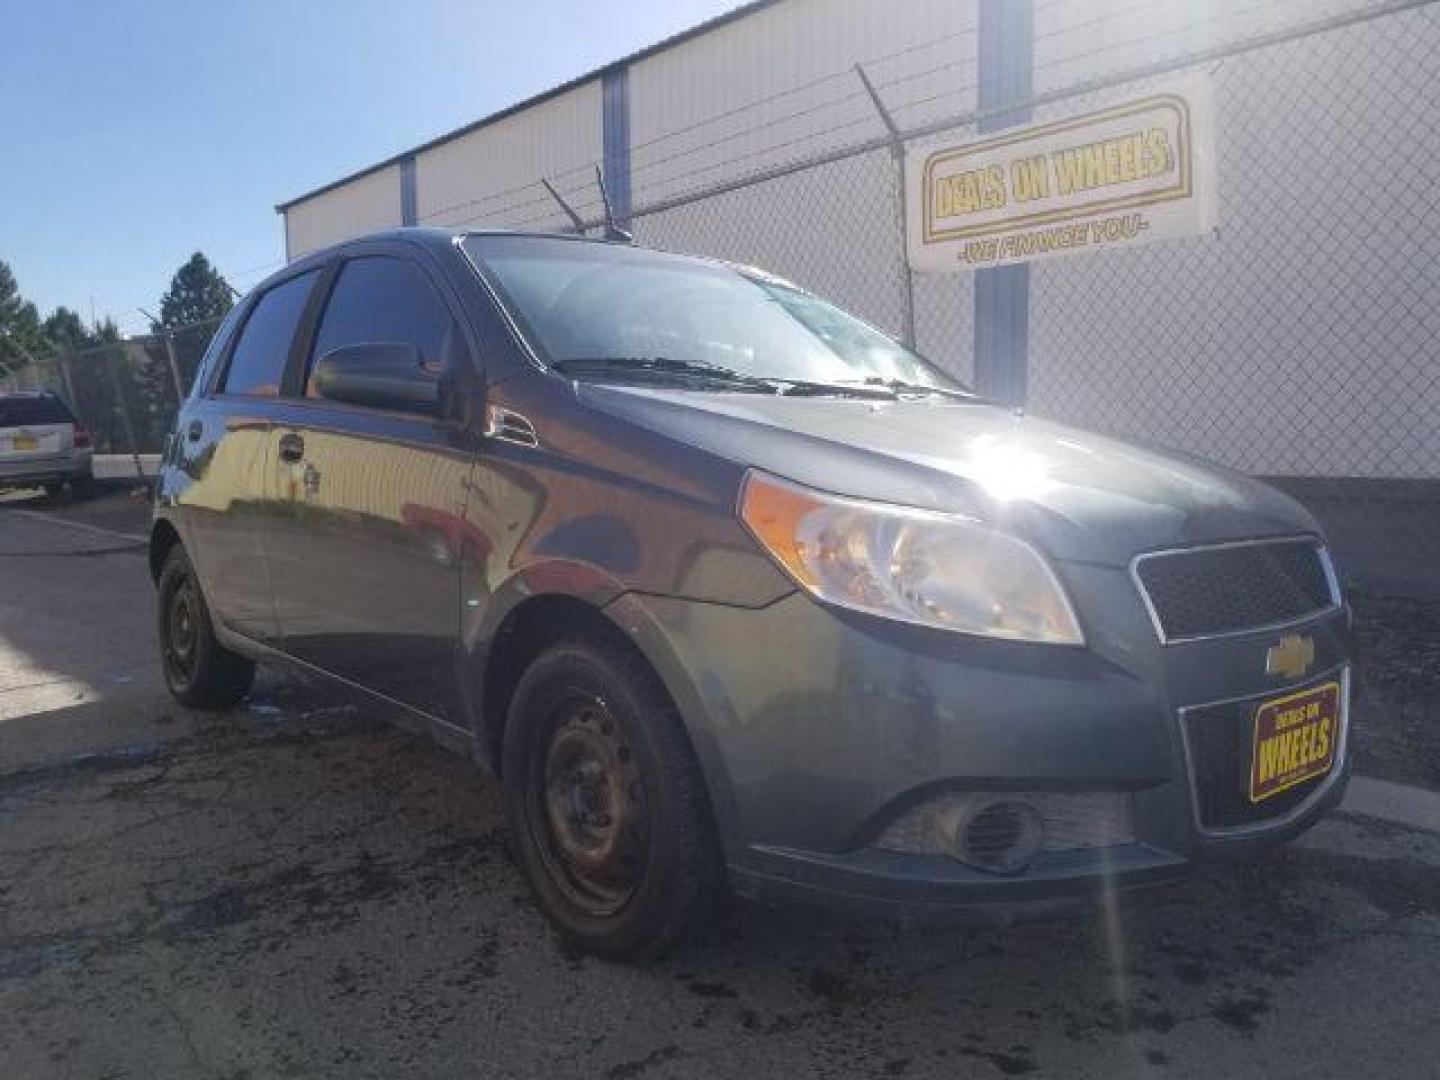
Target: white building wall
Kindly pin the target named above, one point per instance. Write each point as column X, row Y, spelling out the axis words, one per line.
column 363, row 205
column 491, row 176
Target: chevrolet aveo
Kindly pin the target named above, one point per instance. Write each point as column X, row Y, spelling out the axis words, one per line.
column 736, row 594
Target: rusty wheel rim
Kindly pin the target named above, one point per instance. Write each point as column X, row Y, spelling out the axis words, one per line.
column 588, row 807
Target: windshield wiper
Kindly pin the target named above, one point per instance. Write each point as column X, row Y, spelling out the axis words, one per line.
column 702, row 369
column 900, row 386
column 659, row 365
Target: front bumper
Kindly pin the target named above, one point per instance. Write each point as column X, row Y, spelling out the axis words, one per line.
column 815, row 729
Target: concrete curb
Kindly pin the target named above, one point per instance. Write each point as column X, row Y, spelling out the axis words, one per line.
column 1401, row 804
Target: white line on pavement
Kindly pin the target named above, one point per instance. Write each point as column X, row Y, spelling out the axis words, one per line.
column 101, row 530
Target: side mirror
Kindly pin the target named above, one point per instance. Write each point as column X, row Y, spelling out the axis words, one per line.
column 387, row 375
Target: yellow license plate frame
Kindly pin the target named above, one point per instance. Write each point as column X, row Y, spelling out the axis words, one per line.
column 1294, row 739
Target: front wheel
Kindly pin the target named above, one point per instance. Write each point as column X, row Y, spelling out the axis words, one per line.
column 199, row 671
column 605, row 802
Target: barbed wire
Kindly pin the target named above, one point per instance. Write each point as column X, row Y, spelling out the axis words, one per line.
column 833, row 76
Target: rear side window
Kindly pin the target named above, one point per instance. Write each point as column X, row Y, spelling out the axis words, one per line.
column 258, row 362
column 380, row 300
column 19, row 411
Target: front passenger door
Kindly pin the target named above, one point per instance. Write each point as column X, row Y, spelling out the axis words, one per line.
column 365, row 560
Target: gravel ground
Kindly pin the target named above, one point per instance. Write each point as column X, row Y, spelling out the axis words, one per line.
column 295, row 889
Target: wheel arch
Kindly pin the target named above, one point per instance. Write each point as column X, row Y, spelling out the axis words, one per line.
column 527, row 629
column 163, row 539
column 540, row 620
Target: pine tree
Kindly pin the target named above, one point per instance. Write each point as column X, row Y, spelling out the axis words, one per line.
column 197, row 293
column 19, row 322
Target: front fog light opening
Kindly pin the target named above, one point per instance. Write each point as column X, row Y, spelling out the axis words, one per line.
column 1002, row 836
column 1003, row 832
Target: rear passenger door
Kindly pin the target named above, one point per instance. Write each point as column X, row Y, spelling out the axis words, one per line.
column 365, row 552
column 222, row 450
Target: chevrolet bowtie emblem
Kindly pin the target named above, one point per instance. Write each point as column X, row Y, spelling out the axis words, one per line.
column 1291, row 656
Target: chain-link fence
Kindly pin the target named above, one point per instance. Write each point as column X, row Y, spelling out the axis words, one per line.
column 126, row 392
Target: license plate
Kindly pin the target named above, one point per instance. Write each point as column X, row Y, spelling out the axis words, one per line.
column 24, row 442
column 1295, row 739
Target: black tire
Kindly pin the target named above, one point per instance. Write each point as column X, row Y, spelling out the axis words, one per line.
column 199, row 671
column 606, row 807
column 54, row 489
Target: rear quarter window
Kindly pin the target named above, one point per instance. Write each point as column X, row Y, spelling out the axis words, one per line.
column 257, row 365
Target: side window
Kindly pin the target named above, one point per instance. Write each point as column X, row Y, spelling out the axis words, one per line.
column 379, row 300
column 258, row 362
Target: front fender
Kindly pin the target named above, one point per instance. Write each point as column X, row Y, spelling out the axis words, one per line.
column 633, row 618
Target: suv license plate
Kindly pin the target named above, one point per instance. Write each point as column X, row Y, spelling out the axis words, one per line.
column 1295, row 739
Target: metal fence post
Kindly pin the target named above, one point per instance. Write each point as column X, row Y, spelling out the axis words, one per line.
column 125, row 420
column 575, row 218
column 174, row 368
column 897, row 153
column 63, row 363
column 1002, row 293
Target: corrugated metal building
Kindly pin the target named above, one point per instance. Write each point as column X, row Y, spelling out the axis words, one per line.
column 724, row 100
column 1296, row 340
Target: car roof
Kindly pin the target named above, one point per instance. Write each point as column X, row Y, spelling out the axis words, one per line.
column 428, row 237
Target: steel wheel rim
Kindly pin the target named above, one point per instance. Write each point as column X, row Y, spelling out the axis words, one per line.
column 182, row 631
column 587, row 806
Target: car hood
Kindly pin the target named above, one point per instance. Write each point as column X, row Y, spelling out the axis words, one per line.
column 1078, row 496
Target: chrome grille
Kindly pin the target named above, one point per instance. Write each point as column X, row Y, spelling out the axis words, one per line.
column 1231, row 588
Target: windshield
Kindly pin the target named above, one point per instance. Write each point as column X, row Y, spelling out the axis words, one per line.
column 579, row 302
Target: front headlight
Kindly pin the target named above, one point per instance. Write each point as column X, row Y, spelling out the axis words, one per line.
column 914, row 565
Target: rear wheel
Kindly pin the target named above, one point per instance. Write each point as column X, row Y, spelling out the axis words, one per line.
column 605, row 802
column 199, row 671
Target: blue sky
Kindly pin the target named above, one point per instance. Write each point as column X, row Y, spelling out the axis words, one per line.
column 137, row 132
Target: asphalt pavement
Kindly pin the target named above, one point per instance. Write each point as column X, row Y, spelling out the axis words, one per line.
column 295, row 889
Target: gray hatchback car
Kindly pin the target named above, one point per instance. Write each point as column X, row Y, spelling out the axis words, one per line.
column 735, row 593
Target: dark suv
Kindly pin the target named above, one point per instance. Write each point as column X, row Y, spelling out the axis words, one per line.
column 734, row 592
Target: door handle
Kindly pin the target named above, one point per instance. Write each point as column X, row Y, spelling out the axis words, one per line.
column 292, row 447
column 194, row 431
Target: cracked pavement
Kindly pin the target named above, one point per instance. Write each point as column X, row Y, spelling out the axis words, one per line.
column 294, row 889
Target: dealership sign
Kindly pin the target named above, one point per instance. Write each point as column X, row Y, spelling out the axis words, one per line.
column 1137, row 171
